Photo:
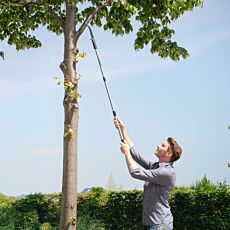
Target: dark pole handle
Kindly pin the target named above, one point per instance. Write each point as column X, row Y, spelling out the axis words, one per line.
column 119, row 130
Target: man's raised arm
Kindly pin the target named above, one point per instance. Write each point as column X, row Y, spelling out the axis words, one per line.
column 145, row 163
column 120, row 125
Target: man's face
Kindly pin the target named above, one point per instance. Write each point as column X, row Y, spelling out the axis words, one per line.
column 163, row 151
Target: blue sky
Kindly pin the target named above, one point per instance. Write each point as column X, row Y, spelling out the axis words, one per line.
column 156, row 98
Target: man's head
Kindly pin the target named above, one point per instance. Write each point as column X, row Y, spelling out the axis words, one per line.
column 169, row 151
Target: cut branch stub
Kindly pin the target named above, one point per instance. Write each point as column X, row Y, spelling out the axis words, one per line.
column 63, row 67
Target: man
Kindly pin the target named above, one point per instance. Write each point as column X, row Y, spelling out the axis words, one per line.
column 159, row 178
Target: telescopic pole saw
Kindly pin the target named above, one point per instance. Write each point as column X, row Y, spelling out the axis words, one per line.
column 104, row 80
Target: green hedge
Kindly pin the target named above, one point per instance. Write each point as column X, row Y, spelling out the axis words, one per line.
column 115, row 209
column 31, row 212
column 195, row 208
column 201, row 209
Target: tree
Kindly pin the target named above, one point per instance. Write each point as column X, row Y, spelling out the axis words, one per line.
column 19, row 18
column 111, row 185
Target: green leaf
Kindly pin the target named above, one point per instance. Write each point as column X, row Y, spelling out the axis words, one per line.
column 79, row 56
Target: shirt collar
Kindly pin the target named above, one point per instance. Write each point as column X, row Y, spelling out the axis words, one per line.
column 163, row 164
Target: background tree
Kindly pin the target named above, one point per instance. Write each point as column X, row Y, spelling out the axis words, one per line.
column 111, row 185
column 19, row 18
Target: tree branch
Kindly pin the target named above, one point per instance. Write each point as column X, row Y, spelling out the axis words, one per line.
column 90, row 18
column 56, row 17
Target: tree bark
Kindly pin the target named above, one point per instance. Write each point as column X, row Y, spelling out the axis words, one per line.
column 68, row 219
column 71, row 116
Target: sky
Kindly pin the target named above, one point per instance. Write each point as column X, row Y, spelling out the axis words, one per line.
column 156, row 98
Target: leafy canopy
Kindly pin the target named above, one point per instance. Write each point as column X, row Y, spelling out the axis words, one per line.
column 19, row 18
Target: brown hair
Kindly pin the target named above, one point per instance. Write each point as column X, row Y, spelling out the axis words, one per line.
column 175, row 149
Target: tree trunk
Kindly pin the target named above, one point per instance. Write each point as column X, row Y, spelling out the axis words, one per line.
column 69, row 180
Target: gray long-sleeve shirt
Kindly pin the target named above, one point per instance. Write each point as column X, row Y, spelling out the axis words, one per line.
column 159, row 182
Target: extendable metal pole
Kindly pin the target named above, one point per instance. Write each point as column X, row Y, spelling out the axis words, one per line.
column 104, row 80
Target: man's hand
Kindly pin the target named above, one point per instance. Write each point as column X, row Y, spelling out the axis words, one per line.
column 118, row 123
column 124, row 147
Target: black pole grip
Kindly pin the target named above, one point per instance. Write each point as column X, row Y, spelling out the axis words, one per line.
column 119, row 130
column 120, row 134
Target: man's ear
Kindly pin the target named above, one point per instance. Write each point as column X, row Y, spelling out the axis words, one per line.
column 169, row 153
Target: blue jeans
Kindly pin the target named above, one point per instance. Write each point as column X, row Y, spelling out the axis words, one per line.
column 157, row 227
